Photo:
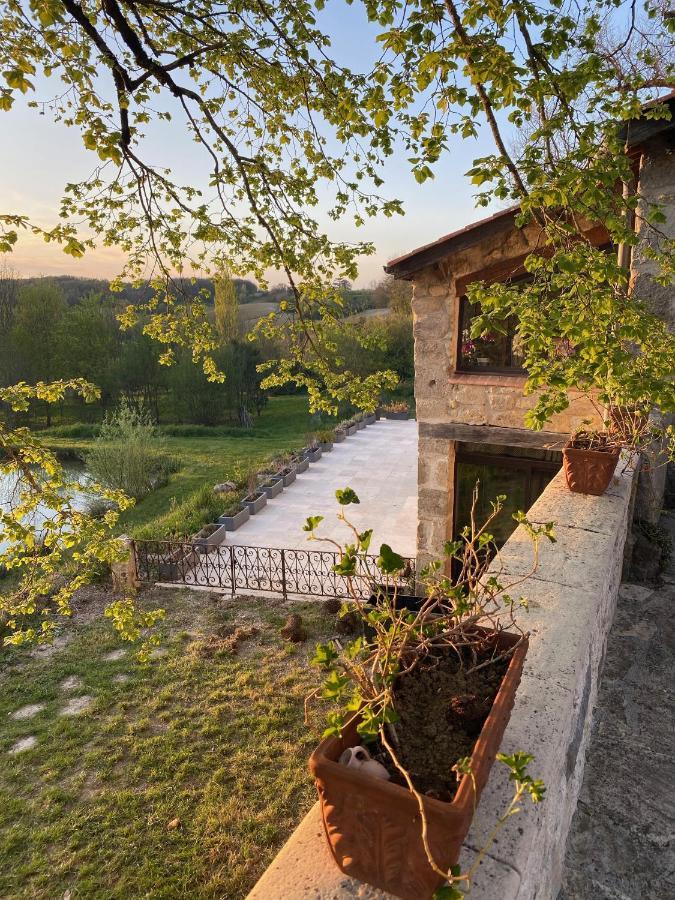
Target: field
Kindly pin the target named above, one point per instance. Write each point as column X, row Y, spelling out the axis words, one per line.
column 178, row 779
column 207, row 456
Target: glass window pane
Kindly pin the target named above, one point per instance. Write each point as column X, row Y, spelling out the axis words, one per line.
column 494, row 480
column 493, row 350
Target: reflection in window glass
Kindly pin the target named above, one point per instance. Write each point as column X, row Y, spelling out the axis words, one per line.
column 522, row 480
column 493, row 351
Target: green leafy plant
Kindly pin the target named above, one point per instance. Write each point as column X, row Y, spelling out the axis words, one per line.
column 462, row 616
column 129, row 453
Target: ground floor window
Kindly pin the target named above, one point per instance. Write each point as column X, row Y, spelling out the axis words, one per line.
column 521, row 474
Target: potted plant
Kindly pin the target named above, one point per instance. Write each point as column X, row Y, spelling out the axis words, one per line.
column 256, row 498
column 339, row 434
column 429, row 694
column 313, row 448
column 235, row 514
column 589, row 461
column 208, row 537
column 326, row 439
column 301, row 461
column 369, row 418
column 360, row 421
column 272, row 485
column 349, row 426
column 396, row 410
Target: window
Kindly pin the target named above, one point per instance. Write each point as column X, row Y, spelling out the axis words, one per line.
column 494, row 352
column 500, row 471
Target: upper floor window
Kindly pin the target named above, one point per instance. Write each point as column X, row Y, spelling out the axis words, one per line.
column 493, row 352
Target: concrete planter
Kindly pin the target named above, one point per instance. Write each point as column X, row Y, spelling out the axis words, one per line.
column 231, row 523
column 301, row 464
column 287, row 475
column 326, row 446
column 179, row 562
column 370, row 419
column 273, row 487
column 339, row 437
column 397, row 416
column 383, row 846
column 360, row 424
column 255, row 502
column 210, row 536
column 589, row 471
column 314, row 454
column 351, row 429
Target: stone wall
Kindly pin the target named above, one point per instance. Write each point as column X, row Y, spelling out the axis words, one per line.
column 572, row 599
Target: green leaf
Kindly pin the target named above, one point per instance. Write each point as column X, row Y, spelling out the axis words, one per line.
column 388, row 561
column 312, row 522
column 345, row 496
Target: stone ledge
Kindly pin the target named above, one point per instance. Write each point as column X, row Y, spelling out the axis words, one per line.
column 572, row 603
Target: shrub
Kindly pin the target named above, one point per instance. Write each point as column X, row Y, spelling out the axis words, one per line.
column 127, row 455
column 187, row 518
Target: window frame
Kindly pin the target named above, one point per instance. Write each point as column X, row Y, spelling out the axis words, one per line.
column 461, row 366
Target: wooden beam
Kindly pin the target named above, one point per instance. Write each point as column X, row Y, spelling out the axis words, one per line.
column 493, row 434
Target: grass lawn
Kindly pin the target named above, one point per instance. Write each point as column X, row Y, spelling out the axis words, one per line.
column 213, row 457
column 209, row 737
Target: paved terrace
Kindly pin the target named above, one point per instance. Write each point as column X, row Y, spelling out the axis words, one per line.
column 379, row 462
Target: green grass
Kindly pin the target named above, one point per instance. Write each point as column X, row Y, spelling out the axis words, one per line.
column 216, row 741
column 206, row 458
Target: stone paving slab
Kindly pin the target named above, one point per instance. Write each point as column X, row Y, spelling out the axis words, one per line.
column 379, row 462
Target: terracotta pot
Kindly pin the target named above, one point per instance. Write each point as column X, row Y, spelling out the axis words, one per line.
column 374, row 827
column 589, row 471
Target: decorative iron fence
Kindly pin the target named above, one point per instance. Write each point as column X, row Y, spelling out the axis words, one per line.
column 271, row 570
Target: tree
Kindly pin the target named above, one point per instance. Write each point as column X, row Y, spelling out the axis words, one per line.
column 35, row 335
column 226, row 306
column 87, row 336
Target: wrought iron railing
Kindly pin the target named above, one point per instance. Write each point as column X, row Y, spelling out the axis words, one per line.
column 273, row 570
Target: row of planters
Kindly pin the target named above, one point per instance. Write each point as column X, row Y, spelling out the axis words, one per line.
column 282, row 472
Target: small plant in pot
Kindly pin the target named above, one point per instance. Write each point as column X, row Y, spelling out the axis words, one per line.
column 256, row 498
column 398, row 410
column 314, row 450
column 326, row 438
column 422, row 700
column 589, row 461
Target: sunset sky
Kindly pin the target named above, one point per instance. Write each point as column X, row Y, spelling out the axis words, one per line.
column 38, row 157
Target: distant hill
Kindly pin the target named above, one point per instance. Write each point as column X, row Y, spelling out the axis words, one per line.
column 75, row 288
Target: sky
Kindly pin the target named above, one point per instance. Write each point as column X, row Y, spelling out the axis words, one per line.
column 38, row 157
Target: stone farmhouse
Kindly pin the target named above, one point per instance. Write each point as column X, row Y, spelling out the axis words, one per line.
column 469, row 393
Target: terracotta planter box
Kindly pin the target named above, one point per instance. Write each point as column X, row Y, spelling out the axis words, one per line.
column 326, row 446
column 255, row 502
column 370, row 419
column 301, row 464
column 398, row 416
column 231, row 523
column 589, row 471
column 287, row 476
column 373, row 827
column 352, row 429
column 273, row 487
column 339, row 437
column 314, row 454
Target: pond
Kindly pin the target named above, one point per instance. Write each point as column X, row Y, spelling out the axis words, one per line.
column 9, row 484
